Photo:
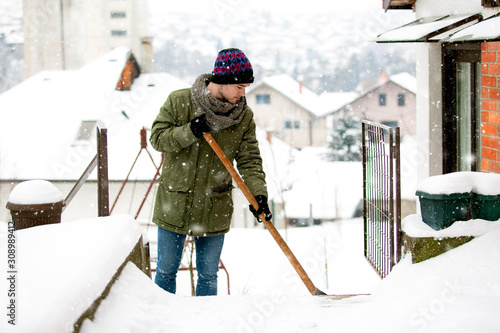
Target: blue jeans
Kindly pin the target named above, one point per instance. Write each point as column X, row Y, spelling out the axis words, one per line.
column 208, row 251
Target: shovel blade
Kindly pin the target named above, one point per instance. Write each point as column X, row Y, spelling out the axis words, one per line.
column 319, row 293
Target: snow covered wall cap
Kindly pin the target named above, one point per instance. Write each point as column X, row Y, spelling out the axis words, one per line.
column 232, row 67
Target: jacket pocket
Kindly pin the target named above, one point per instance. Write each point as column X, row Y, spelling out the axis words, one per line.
column 221, row 212
column 171, row 206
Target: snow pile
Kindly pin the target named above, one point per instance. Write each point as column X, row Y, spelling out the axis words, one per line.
column 458, row 291
column 35, row 192
column 63, row 268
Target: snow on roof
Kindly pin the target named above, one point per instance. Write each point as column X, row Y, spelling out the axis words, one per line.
column 484, row 30
column 421, row 28
column 292, row 89
column 318, row 105
column 41, row 117
column 405, row 80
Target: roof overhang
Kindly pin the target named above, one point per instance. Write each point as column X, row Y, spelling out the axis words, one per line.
column 429, row 29
column 486, row 30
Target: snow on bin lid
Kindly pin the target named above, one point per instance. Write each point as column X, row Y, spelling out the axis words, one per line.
column 35, row 192
column 450, row 183
column 462, row 182
column 486, row 183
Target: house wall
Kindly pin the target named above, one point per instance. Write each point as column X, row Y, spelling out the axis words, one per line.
column 490, row 107
column 272, row 117
column 428, row 156
column 368, row 107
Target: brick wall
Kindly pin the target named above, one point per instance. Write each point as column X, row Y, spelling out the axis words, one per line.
column 490, row 107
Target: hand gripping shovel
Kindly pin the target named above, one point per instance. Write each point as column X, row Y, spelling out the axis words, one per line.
column 251, row 199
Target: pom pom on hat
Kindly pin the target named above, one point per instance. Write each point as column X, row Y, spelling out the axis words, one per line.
column 232, row 67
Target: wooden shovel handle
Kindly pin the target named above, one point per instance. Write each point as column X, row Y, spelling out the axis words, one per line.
column 269, row 225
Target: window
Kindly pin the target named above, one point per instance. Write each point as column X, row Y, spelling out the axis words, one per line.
column 289, row 124
column 382, row 99
column 263, row 99
column 491, row 3
column 118, row 14
column 401, row 99
column 390, row 123
column 118, row 33
column 466, row 111
column 462, row 84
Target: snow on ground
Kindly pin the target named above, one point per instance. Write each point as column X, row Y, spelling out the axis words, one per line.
column 458, row 291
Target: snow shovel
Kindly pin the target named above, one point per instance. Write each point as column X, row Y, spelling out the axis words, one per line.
column 269, row 225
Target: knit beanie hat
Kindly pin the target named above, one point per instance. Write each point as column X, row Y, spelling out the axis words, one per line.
column 232, row 67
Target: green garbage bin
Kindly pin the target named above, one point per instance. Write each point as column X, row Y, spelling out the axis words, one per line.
column 485, row 201
column 486, row 207
column 439, row 211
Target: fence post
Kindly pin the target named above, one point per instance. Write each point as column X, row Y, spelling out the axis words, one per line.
column 381, row 196
column 102, row 170
column 397, row 161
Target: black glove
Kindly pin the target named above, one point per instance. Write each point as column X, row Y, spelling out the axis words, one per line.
column 263, row 208
column 199, row 126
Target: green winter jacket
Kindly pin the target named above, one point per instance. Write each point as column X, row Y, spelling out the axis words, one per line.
column 195, row 190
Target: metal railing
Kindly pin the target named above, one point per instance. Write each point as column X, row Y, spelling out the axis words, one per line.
column 144, row 147
column 381, row 196
column 100, row 160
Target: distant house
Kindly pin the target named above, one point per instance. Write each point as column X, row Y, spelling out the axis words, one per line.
column 290, row 111
column 389, row 101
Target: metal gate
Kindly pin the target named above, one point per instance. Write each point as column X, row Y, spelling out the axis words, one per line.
column 381, row 196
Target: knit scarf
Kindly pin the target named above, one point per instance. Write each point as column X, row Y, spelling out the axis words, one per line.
column 220, row 114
